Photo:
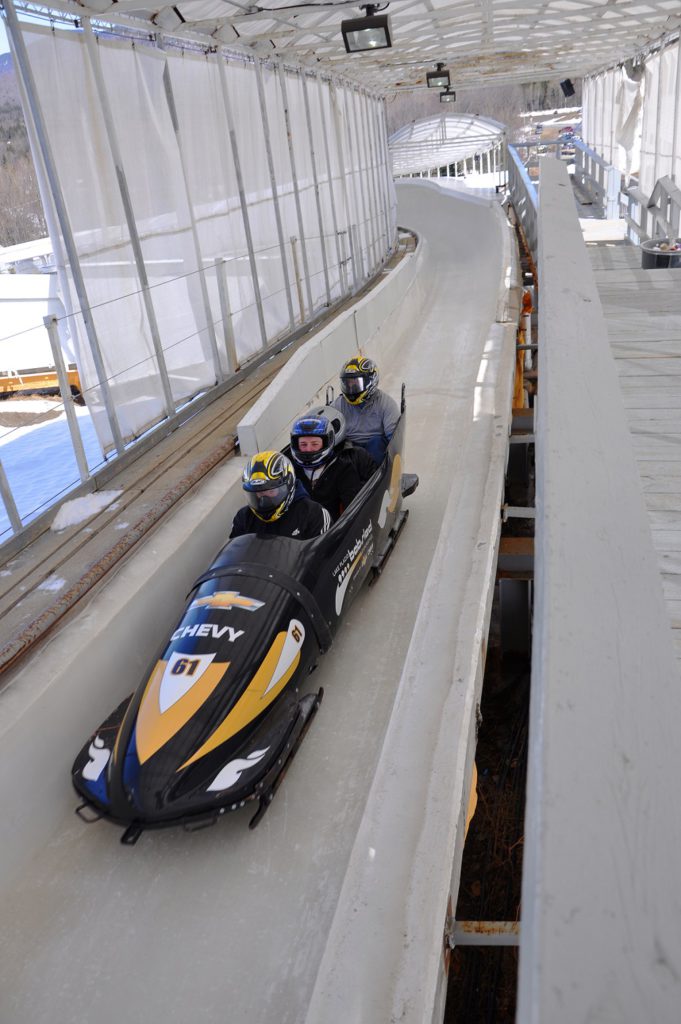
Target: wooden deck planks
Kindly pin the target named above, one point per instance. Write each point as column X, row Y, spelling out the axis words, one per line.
column 643, row 313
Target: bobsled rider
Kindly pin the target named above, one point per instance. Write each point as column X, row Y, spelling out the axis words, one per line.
column 278, row 504
column 371, row 415
column 328, row 475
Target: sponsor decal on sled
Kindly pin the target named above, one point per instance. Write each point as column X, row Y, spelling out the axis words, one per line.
column 208, row 629
column 233, row 771
column 227, row 599
column 99, row 758
column 274, row 672
column 354, row 558
column 175, row 691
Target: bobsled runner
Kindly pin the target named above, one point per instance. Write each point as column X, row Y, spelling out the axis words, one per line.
column 223, row 710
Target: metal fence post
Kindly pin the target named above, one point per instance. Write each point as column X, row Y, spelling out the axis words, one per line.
column 332, row 197
column 296, row 190
column 52, row 175
column 226, row 314
column 273, row 184
column 242, row 199
column 322, row 240
column 9, row 502
column 65, row 391
column 95, row 64
column 210, row 326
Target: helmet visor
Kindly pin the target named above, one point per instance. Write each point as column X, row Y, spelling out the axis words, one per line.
column 264, row 502
column 354, row 386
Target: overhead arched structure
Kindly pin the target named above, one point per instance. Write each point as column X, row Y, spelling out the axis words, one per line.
column 441, row 140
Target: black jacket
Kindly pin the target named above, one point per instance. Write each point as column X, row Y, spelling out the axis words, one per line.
column 335, row 487
column 303, row 520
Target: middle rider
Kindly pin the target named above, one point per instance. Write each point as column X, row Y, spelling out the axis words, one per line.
column 328, row 474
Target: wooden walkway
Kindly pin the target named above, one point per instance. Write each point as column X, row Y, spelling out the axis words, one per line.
column 643, row 312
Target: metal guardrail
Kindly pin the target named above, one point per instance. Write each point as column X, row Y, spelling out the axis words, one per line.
column 599, row 178
column 651, row 217
column 524, row 196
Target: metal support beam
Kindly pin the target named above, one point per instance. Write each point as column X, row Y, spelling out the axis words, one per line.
column 210, row 327
column 24, row 67
column 332, row 198
column 355, row 156
column 9, row 502
column 296, row 191
column 336, row 111
column 484, row 933
column 383, row 177
column 112, row 137
column 376, row 219
column 242, row 199
column 65, row 391
column 315, row 179
column 226, row 314
column 273, row 186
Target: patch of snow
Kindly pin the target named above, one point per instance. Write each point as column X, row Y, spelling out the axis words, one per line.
column 76, row 511
column 121, row 526
column 52, row 583
column 5, row 572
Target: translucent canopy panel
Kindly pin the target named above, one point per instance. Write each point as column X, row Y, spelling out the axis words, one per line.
column 479, row 41
column 445, row 139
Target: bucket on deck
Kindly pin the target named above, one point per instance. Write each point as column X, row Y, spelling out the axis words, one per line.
column 653, row 257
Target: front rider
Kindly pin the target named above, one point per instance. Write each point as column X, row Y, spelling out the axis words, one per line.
column 278, row 504
column 371, row 415
column 327, row 473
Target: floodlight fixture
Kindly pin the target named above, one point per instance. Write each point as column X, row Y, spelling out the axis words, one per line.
column 567, row 87
column 438, row 79
column 448, row 96
column 372, row 32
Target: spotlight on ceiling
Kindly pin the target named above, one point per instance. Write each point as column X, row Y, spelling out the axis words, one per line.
column 567, row 87
column 372, row 32
column 438, row 79
column 448, row 96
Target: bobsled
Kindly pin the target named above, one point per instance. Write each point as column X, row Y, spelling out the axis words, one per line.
column 224, row 708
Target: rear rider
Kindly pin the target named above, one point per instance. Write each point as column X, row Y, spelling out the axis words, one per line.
column 328, row 475
column 278, row 505
column 371, row 416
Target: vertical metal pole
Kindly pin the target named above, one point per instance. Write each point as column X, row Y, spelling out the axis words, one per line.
column 336, row 111
column 26, row 73
column 332, row 196
column 9, row 502
column 376, row 219
column 294, row 179
column 296, row 270
column 658, row 115
column 210, row 326
column 273, row 184
column 355, row 157
column 226, row 314
column 65, row 391
column 315, row 179
column 380, row 158
column 343, row 263
column 95, row 64
column 242, row 199
column 388, row 170
column 676, row 156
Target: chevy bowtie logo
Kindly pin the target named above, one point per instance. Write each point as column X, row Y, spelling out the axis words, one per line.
column 227, row 599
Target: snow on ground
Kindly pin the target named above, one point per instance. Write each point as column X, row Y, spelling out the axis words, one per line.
column 79, row 509
column 52, row 583
column 40, row 464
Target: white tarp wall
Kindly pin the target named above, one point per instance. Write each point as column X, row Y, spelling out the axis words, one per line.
column 167, row 144
column 636, row 124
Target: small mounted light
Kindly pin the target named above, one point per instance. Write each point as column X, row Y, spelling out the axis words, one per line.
column 438, row 79
column 567, row 87
column 448, row 96
column 372, row 32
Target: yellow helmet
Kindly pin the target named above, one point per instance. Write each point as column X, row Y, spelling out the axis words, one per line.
column 269, row 481
column 358, row 380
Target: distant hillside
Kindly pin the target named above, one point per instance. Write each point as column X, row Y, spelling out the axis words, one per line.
column 21, row 212
column 9, row 90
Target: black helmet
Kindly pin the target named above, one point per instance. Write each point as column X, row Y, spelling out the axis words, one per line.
column 269, row 481
column 312, row 426
column 358, row 380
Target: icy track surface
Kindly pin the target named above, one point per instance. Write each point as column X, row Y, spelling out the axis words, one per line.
column 229, row 925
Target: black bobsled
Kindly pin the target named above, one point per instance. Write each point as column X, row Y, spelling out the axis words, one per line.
column 222, row 711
